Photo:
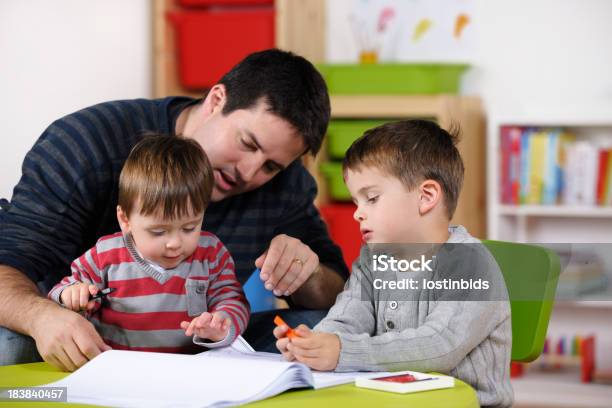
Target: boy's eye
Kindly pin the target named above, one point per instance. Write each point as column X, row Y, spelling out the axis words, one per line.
column 373, row 199
column 157, row 233
column 189, row 229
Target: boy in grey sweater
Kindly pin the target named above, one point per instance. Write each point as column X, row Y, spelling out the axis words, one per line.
column 438, row 301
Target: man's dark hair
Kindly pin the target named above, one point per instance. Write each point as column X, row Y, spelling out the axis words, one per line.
column 413, row 151
column 290, row 86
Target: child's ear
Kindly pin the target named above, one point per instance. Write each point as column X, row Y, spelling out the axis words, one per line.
column 215, row 100
column 124, row 222
column 430, row 195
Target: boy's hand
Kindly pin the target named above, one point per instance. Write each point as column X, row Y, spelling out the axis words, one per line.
column 76, row 297
column 212, row 326
column 280, row 332
column 318, row 350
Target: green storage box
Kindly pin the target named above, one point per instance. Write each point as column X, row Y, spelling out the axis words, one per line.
column 342, row 133
column 335, row 182
column 392, row 79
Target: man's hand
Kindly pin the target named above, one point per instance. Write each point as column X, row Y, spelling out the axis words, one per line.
column 318, row 350
column 286, row 265
column 76, row 297
column 63, row 338
column 213, row 326
column 66, row 339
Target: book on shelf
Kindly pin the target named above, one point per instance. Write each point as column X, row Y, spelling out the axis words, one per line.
column 525, row 163
column 548, row 166
column 581, row 173
column 538, row 160
column 510, row 145
column 606, row 193
column 515, row 164
column 602, row 176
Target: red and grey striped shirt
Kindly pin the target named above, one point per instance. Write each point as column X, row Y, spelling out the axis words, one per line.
column 145, row 311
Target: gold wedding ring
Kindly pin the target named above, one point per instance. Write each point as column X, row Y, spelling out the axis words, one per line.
column 298, row 261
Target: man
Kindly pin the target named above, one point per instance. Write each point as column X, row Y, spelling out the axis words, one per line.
column 254, row 125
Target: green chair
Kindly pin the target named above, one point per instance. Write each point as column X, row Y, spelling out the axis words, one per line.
column 531, row 274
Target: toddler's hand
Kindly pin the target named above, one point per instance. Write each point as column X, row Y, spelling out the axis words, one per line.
column 212, row 326
column 76, row 297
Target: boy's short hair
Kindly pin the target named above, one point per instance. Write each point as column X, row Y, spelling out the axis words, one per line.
column 291, row 87
column 170, row 173
column 413, row 151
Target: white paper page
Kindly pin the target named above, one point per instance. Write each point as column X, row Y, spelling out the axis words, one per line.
column 240, row 344
column 137, row 379
column 239, row 347
column 329, row 379
column 321, row 379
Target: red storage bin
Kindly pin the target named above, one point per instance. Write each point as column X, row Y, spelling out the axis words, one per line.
column 343, row 229
column 211, row 42
column 207, row 3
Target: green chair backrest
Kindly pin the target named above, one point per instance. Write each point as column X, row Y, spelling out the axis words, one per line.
column 531, row 274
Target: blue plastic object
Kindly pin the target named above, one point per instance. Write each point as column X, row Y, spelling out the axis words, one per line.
column 258, row 296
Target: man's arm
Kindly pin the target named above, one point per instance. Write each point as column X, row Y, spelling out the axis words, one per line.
column 63, row 338
column 20, row 301
column 43, row 229
column 302, row 260
column 320, row 290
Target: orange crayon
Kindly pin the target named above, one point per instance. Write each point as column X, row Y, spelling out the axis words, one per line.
column 280, row 322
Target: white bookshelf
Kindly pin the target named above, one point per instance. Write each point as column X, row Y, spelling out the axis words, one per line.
column 547, row 223
column 557, row 224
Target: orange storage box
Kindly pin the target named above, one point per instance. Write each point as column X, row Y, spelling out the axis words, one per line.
column 211, row 42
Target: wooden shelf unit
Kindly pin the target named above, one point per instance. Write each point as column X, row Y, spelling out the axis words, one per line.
column 300, row 27
column 464, row 111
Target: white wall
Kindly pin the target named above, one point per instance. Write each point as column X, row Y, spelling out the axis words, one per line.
column 551, row 55
column 542, row 55
column 62, row 55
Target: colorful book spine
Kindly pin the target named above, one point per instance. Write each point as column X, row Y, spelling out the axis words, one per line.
column 537, row 170
column 525, row 166
column 602, row 176
column 565, row 139
column 581, row 170
column 510, row 149
column 608, row 191
column 515, row 164
column 551, row 184
column 506, row 193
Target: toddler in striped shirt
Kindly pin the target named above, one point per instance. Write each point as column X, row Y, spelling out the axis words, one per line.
column 175, row 286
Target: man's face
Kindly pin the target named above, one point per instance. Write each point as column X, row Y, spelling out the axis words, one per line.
column 386, row 211
column 246, row 148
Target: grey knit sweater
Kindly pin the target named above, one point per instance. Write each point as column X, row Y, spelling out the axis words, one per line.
column 427, row 331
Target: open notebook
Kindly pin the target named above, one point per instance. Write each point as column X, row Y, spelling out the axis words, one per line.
column 222, row 377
